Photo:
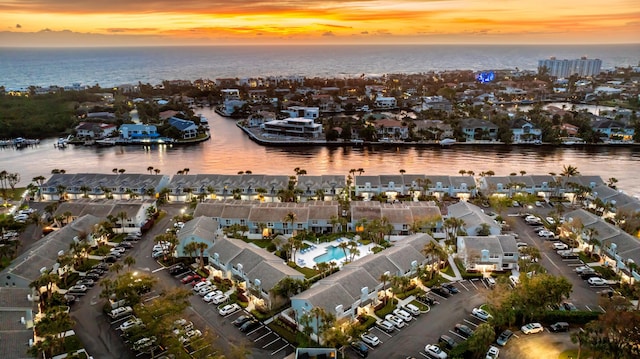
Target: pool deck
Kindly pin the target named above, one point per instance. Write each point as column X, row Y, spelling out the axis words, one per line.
column 317, row 249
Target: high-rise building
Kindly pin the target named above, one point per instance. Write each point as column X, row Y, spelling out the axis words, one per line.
column 582, row 67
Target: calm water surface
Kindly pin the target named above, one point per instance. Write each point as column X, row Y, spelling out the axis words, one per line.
column 230, row 151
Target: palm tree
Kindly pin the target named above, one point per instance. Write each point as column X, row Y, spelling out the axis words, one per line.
column 150, row 169
column 185, row 171
column 436, row 253
column 156, row 170
column 344, row 246
column 129, row 261
column 462, row 172
column 290, row 218
column 123, row 216
column 569, row 171
column 116, row 268
column 384, row 278
column 201, row 246
column 191, row 248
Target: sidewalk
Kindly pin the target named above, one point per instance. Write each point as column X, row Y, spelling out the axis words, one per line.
column 457, row 276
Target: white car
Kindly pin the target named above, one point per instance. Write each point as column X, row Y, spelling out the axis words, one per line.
column 397, row 322
column 551, row 220
column 434, row 351
column 546, row 234
column 595, row 281
column 521, row 244
column 402, row 315
column 144, row 343
column 190, row 335
column 120, row 312
column 493, row 352
column 412, row 309
column 228, row 309
column 205, row 290
column 130, row 324
column 219, row 299
column 560, row 246
column 370, row 339
column 538, row 204
column 481, row 314
column 212, row 294
column 200, row 285
column 532, row 328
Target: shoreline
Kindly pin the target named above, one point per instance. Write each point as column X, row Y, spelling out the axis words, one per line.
column 293, row 142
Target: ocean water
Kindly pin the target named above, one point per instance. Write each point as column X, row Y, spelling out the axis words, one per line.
column 23, row 67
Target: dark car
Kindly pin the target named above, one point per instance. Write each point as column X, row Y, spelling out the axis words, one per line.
column 451, row 288
column 463, row 330
column 97, row 271
column 101, row 266
column 249, row 325
column 241, row 320
column 110, row 259
column 446, row 341
column 92, row 275
column 504, row 337
column 441, row 291
column 360, row 348
column 178, row 269
column 569, row 306
column 125, row 244
column 559, row 327
column 589, row 274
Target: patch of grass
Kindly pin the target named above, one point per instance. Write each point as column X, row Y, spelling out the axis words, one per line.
column 262, row 243
column 448, row 270
column 377, row 249
column 391, row 305
column 605, row 272
column 420, row 306
column 285, row 333
column 308, row 272
column 573, row 354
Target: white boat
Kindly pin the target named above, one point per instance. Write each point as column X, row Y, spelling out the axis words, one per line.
column 106, row 142
column 447, row 142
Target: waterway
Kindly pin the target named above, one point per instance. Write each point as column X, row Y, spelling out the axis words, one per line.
column 230, row 151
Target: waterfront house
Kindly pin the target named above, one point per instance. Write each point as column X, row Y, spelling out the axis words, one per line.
column 488, row 253
column 298, row 127
column 94, row 130
column 382, row 102
column 356, row 289
column 392, row 186
column 310, row 113
column 474, row 129
column 253, row 267
column 391, row 129
column 474, row 218
column 69, row 186
column 614, row 131
column 329, row 187
column 188, row 129
column 439, row 186
column 367, row 186
column 183, row 188
column 463, row 187
column 130, row 131
column 524, row 131
column 433, row 129
column 404, row 217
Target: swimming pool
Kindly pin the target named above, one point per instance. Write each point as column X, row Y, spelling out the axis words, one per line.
column 333, row 254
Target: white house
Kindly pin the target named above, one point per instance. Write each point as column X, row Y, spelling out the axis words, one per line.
column 488, row 253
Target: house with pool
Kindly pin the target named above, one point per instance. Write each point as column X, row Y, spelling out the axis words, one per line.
column 356, row 289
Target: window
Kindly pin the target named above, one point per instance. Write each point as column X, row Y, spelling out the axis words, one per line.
column 269, row 225
column 243, row 222
column 300, row 226
column 227, row 221
column 314, row 221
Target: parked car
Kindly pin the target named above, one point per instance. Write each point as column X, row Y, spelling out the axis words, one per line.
column 504, row 337
column 481, row 314
column 219, row 299
column 241, row 320
column 205, row 290
column 178, row 269
column 69, row 299
column 200, row 285
column 92, row 276
column 546, row 234
column 493, row 352
column 110, row 259
column 370, row 339
column 463, row 330
column 182, row 325
column 249, row 325
column 120, row 312
column 78, row 289
column 125, row 244
column 538, row 204
column 87, row 282
column 412, row 309
column 144, row 343
column 521, row 244
column 569, row 306
column 190, row 278
column 595, row 281
column 559, row 327
column 451, row 288
column 189, row 336
column 532, row 328
column 228, row 309
column 434, row 351
column 568, row 254
column 402, row 315
column 441, row 291
column 586, row 275
column 130, row 324
column 101, row 266
column 397, row 322
column 446, row 341
column 360, row 348
column 560, row 246
column 582, row 269
column 212, row 294
column 386, row 326
column 491, row 282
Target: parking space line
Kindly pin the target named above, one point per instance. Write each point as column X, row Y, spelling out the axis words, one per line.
column 463, row 286
column 470, row 322
column 276, row 352
column 260, row 337
column 457, row 335
column 255, row 330
column 424, row 355
column 158, row 270
column 383, row 332
column 273, row 341
column 602, row 309
column 474, row 285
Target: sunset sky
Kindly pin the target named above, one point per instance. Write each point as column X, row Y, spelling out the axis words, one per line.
column 230, row 22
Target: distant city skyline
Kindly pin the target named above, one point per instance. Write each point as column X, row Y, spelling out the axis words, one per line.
column 51, row 23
